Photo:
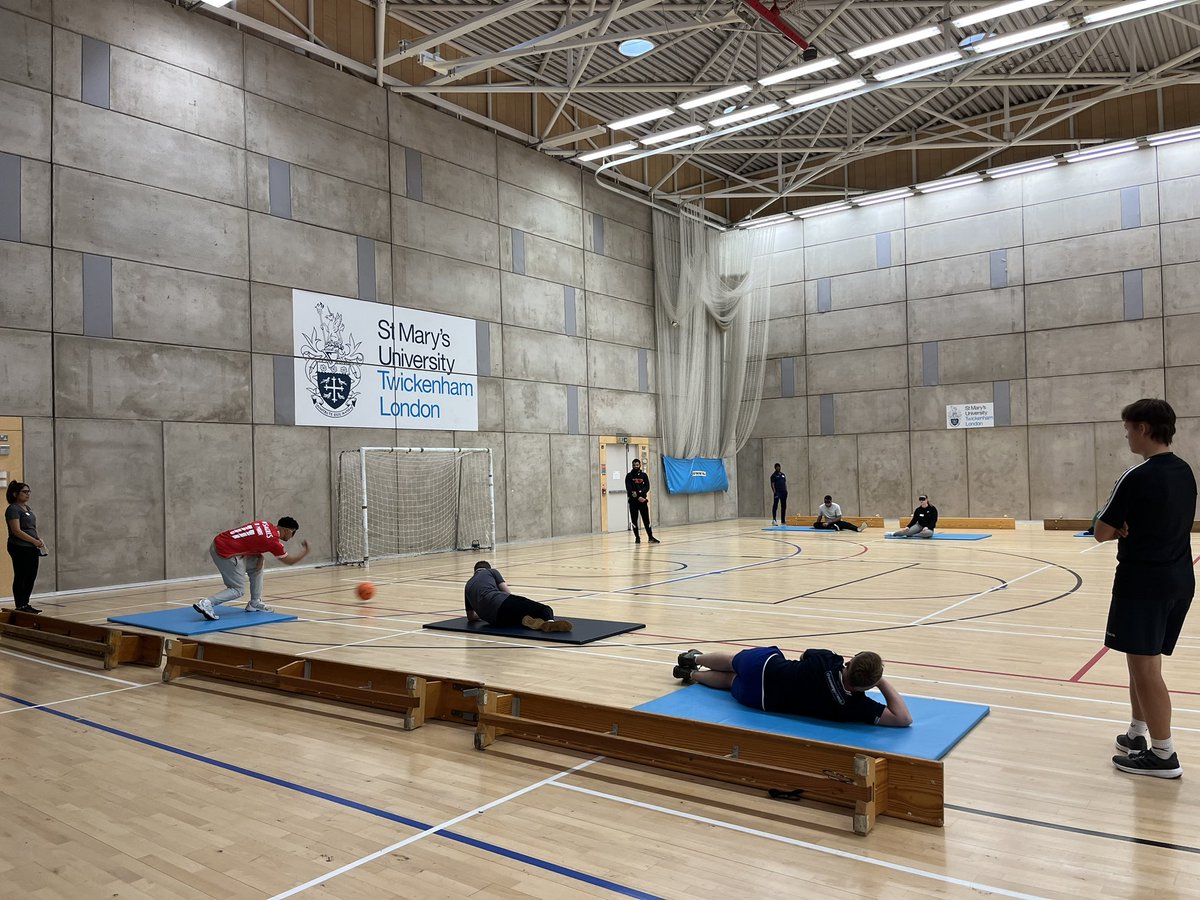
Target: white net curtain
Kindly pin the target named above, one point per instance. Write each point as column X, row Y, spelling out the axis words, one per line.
column 713, row 302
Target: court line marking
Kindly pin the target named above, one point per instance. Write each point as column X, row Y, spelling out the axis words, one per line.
column 1073, row 829
column 83, row 697
column 378, row 637
column 54, row 665
column 1087, row 666
column 806, row 845
column 990, row 590
column 412, row 839
column 1123, row 702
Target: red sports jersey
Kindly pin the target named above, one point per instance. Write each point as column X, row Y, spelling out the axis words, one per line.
column 251, row 539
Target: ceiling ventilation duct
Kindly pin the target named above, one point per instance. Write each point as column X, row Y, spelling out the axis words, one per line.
column 754, row 10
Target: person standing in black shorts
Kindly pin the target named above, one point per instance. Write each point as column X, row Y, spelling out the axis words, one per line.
column 1150, row 515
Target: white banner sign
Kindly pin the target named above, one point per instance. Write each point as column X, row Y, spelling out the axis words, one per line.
column 971, row 415
column 370, row 365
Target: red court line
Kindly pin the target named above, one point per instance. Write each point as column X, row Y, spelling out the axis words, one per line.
column 1088, row 665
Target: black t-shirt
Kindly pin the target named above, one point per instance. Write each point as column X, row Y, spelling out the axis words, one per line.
column 812, row 686
column 1157, row 499
column 925, row 516
column 637, row 484
column 779, row 483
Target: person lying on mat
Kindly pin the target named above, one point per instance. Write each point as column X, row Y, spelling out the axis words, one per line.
column 829, row 516
column 923, row 521
column 489, row 599
column 819, row 684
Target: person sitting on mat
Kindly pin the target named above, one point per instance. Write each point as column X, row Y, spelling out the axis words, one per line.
column 829, row 518
column 923, row 521
column 819, row 684
column 489, row 599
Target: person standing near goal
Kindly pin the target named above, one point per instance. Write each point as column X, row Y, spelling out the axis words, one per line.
column 238, row 553
column 637, row 486
column 488, row 599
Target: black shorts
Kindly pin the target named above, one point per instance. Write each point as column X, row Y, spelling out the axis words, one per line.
column 1145, row 627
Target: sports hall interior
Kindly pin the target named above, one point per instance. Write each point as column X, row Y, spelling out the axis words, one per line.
column 171, row 172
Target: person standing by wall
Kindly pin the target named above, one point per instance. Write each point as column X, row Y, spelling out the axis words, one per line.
column 779, row 496
column 24, row 545
column 637, row 487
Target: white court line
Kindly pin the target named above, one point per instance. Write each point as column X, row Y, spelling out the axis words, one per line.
column 990, row 590
column 378, row 637
column 1062, row 715
column 73, row 699
column 1003, row 690
column 54, row 665
column 817, row 848
column 431, row 831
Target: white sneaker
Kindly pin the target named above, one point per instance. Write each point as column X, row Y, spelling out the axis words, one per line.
column 773, row 522
column 205, row 608
column 258, row 606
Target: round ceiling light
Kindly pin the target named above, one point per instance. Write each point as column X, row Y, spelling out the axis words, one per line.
column 635, row 47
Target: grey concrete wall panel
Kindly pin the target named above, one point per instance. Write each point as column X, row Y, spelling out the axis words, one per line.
column 883, row 250
column 270, row 314
column 572, row 409
column 857, row 370
column 439, row 284
column 618, row 279
column 290, row 465
column 262, row 379
column 1131, row 290
column 120, row 146
column 517, row 243
column 101, row 215
column 787, row 236
column 1090, row 348
column 1085, row 398
column 857, row 223
column 700, row 507
column 25, row 287
column 625, row 243
column 875, row 287
column 537, row 406
column 66, row 269
column 1183, row 392
column 856, row 329
column 25, row 113
column 530, row 169
column 792, row 454
column 414, row 187
column 173, row 96
column 424, row 227
column 832, row 469
column 1113, row 458
column 928, row 404
column 1180, row 243
column 1131, row 207
column 97, row 296
column 963, row 236
column 491, row 408
column 483, row 348
column 1182, row 344
column 785, row 337
column 293, row 254
column 36, row 9
column 283, row 75
column 619, row 321
column 966, row 315
column 38, row 434
column 615, row 412
column 1111, row 252
column 861, row 412
column 1092, row 177
column 998, row 269
column 1090, row 214
column 98, row 378
column 787, row 377
column 35, row 202
column 273, row 129
column 1062, row 470
column 597, row 234
column 528, row 511
column 960, row 275
column 840, row 258
column 571, row 484
column 94, row 72
column 540, row 356
column 10, row 197
column 25, row 360
column 1180, row 288
column 88, row 451
column 1178, row 198
column 195, row 457
column 828, row 418
column 570, row 319
column 963, row 203
column 160, row 31
column 613, row 366
column 787, row 300
column 24, row 50
column 366, row 269
column 787, row 267
column 458, row 188
column 824, row 294
column 538, row 214
column 279, row 187
column 939, row 469
column 1177, row 161
column 283, row 370
column 614, row 206
column 67, row 75
column 884, row 476
column 780, row 418
column 1002, row 403
column 1091, row 300
column 752, row 503
column 643, row 361
column 441, row 136
column 929, row 363
column 398, row 169
column 998, row 476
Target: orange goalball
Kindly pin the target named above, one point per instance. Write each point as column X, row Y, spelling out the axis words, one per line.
column 365, row 591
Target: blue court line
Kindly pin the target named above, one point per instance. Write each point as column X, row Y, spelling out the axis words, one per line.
column 514, row 855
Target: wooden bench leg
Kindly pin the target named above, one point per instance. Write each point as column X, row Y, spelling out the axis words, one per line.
column 871, row 773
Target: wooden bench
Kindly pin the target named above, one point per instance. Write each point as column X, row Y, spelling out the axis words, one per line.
column 872, row 521
column 997, row 524
column 112, row 645
column 869, row 783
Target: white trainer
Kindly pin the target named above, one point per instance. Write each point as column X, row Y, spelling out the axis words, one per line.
column 205, row 608
column 258, row 606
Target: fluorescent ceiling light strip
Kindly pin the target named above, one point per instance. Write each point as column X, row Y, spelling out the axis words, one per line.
column 884, row 197
column 217, row 3
column 944, row 184
column 713, row 96
column 664, row 136
column 1174, row 137
column 899, row 40
column 1038, row 32
column 929, row 62
column 994, row 12
column 1122, row 9
column 1101, row 150
column 822, row 210
column 742, row 114
column 769, row 220
column 1022, row 168
column 641, row 118
column 830, row 90
column 607, row 151
column 819, row 65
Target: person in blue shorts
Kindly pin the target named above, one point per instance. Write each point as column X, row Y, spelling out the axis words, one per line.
column 820, row 684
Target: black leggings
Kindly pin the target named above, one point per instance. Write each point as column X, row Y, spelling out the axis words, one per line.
column 515, row 608
column 839, row 525
column 25, row 569
column 644, row 509
column 780, row 503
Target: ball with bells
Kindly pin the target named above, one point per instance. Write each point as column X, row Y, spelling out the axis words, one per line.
column 365, row 590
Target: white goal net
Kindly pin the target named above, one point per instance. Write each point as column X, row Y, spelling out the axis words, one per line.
column 401, row 501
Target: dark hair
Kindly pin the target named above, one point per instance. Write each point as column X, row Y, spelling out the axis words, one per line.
column 828, row 498
column 14, row 488
column 1155, row 413
column 864, row 671
column 778, row 466
column 288, row 522
column 482, row 564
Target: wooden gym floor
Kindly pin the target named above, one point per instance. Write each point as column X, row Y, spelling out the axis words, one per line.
column 116, row 785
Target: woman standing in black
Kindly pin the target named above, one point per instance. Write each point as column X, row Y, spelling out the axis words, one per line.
column 24, row 545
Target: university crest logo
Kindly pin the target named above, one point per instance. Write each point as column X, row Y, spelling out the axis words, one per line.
column 955, row 416
column 333, row 365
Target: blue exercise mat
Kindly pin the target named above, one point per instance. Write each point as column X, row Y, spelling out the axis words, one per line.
column 943, row 537
column 1083, row 534
column 937, row 724
column 186, row 621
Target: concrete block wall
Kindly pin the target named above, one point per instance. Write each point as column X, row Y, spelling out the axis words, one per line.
column 165, row 182
column 1060, row 296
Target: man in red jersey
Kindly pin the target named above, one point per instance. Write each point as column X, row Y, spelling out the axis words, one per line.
column 238, row 552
